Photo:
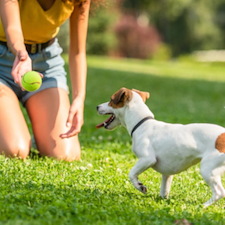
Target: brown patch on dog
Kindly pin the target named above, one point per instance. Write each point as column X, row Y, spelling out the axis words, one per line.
column 119, row 99
column 143, row 94
column 220, row 143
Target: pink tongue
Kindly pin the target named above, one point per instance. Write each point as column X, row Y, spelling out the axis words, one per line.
column 99, row 125
column 104, row 123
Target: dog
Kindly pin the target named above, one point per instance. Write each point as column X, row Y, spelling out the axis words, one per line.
column 167, row 148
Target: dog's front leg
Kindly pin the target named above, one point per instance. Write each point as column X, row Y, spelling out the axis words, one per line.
column 141, row 165
column 165, row 185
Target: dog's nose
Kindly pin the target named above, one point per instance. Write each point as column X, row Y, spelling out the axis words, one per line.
column 97, row 107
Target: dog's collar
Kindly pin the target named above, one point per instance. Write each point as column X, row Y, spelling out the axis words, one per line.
column 139, row 123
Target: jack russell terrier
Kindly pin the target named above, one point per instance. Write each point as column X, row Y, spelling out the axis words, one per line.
column 167, row 148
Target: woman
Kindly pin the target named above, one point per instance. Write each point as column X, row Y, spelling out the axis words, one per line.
column 27, row 42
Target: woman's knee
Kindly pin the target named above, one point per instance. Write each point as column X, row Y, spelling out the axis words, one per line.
column 73, row 155
column 16, row 149
column 65, row 154
column 67, row 149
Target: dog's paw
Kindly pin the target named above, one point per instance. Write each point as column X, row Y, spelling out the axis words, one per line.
column 142, row 188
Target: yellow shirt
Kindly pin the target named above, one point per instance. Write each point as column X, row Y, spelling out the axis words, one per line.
column 38, row 25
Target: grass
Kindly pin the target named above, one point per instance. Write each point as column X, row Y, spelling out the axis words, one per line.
column 96, row 190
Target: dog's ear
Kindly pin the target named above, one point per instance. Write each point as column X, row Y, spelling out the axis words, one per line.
column 143, row 94
column 119, row 99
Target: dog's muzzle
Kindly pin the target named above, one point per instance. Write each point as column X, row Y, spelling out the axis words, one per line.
column 107, row 122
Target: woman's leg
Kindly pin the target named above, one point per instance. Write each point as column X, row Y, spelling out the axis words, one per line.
column 48, row 111
column 15, row 140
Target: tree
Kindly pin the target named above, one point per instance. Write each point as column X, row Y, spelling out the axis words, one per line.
column 185, row 25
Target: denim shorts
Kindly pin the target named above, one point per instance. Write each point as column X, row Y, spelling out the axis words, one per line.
column 48, row 62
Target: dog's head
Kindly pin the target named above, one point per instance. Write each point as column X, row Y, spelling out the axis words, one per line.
column 117, row 105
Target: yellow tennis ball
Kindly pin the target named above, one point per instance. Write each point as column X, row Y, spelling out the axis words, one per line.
column 31, row 81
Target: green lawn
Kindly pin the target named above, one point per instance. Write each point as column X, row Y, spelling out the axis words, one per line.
column 96, row 190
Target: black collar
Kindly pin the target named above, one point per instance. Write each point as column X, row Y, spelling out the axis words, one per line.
column 139, row 123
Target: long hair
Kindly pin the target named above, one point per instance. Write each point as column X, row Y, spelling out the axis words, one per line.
column 80, row 2
column 85, row 1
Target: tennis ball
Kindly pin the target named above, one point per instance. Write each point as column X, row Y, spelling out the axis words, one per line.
column 31, row 81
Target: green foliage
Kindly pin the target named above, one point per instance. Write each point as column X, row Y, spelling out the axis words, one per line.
column 163, row 52
column 63, row 36
column 185, row 25
column 96, row 190
column 101, row 38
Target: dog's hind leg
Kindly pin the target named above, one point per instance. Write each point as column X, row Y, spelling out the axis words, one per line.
column 141, row 165
column 218, row 191
column 211, row 172
column 165, row 185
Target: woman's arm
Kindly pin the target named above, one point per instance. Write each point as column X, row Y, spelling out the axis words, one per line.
column 10, row 17
column 78, row 67
column 77, row 52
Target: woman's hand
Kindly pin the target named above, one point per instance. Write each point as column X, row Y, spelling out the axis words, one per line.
column 21, row 65
column 75, row 118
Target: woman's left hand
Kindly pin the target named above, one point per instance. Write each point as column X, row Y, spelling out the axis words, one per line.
column 75, row 118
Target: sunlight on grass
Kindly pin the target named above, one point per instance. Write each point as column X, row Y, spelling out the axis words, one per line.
column 176, row 69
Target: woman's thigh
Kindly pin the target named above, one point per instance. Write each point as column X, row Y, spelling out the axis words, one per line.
column 48, row 111
column 14, row 135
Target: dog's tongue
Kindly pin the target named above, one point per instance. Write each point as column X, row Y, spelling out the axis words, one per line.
column 100, row 125
column 104, row 123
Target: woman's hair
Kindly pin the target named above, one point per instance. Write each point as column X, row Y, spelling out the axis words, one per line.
column 80, row 2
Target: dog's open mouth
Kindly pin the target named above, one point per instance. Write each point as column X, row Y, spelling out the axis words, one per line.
column 107, row 122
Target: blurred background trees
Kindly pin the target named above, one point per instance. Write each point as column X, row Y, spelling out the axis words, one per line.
column 154, row 29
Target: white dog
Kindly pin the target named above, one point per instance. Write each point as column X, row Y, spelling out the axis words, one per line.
column 167, row 148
